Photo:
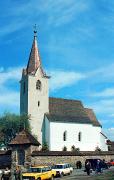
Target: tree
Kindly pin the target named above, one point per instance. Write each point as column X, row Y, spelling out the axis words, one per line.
column 45, row 146
column 10, row 125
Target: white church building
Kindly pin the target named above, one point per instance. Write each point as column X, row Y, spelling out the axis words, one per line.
column 58, row 122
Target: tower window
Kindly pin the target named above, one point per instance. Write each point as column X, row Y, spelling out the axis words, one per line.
column 79, row 136
column 38, row 103
column 65, row 136
column 38, row 85
column 23, row 87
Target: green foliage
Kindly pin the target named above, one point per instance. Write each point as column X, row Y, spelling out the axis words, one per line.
column 77, row 149
column 45, row 146
column 97, row 149
column 10, row 125
column 74, row 149
column 64, row 148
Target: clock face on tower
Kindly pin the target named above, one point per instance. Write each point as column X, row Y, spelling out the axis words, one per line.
column 38, row 85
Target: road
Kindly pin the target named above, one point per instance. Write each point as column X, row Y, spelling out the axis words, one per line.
column 81, row 175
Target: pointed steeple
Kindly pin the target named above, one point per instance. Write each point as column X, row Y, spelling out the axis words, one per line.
column 34, row 59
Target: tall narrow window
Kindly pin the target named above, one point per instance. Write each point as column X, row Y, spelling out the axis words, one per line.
column 79, row 136
column 65, row 136
column 23, row 87
column 38, row 85
column 38, row 103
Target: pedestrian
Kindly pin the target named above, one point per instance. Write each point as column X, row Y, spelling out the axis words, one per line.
column 98, row 166
column 17, row 173
column 80, row 165
column 88, row 167
column 77, row 164
column 1, row 172
column 6, row 174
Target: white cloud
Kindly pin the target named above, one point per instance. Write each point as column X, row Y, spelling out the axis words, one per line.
column 66, row 11
column 9, row 96
column 111, row 115
column 12, row 27
column 110, row 133
column 57, row 13
column 9, row 74
column 109, row 92
column 61, row 79
column 105, row 106
column 105, row 122
column 103, row 74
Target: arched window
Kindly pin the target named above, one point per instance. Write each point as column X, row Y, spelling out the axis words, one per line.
column 38, row 103
column 79, row 136
column 38, row 85
column 65, row 136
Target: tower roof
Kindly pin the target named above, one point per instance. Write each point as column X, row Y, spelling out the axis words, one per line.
column 34, row 58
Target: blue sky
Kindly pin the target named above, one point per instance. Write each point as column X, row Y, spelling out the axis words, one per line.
column 76, row 44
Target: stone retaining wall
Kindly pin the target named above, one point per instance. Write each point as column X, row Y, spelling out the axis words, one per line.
column 72, row 159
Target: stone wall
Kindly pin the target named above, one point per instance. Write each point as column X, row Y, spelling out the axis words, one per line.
column 50, row 159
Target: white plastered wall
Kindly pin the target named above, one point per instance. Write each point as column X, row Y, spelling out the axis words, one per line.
column 103, row 141
column 89, row 141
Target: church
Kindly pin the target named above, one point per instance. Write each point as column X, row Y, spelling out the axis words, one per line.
column 60, row 123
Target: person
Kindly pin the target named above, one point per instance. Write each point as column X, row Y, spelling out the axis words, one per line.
column 78, row 165
column 1, row 172
column 17, row 173
column 98, row 166
column 6, row 174
column 88, row 167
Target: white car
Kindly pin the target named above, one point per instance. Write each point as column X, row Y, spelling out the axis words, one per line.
column 62, row 169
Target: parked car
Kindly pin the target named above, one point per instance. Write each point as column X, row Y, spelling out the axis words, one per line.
column 62, row 169
column 70, row 167
column 110, row 163
column 93, row 163
column 39, row 173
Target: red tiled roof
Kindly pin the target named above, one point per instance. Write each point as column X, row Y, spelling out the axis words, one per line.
column 67, row 110
column 92, row 117
column 66, row 107
column 24, row 137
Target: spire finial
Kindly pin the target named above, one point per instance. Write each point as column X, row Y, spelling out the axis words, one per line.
column 35, row 30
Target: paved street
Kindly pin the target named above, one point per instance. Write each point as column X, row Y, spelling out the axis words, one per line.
column 80, row 175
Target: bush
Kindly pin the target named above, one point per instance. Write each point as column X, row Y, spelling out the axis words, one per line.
column 64, row 148
column 45, row 147
column 74, row 149
column 97, row 149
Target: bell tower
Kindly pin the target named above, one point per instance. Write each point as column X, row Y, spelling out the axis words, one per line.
column 34, row 97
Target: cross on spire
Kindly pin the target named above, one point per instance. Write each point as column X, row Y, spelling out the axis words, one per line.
column 35, row 30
